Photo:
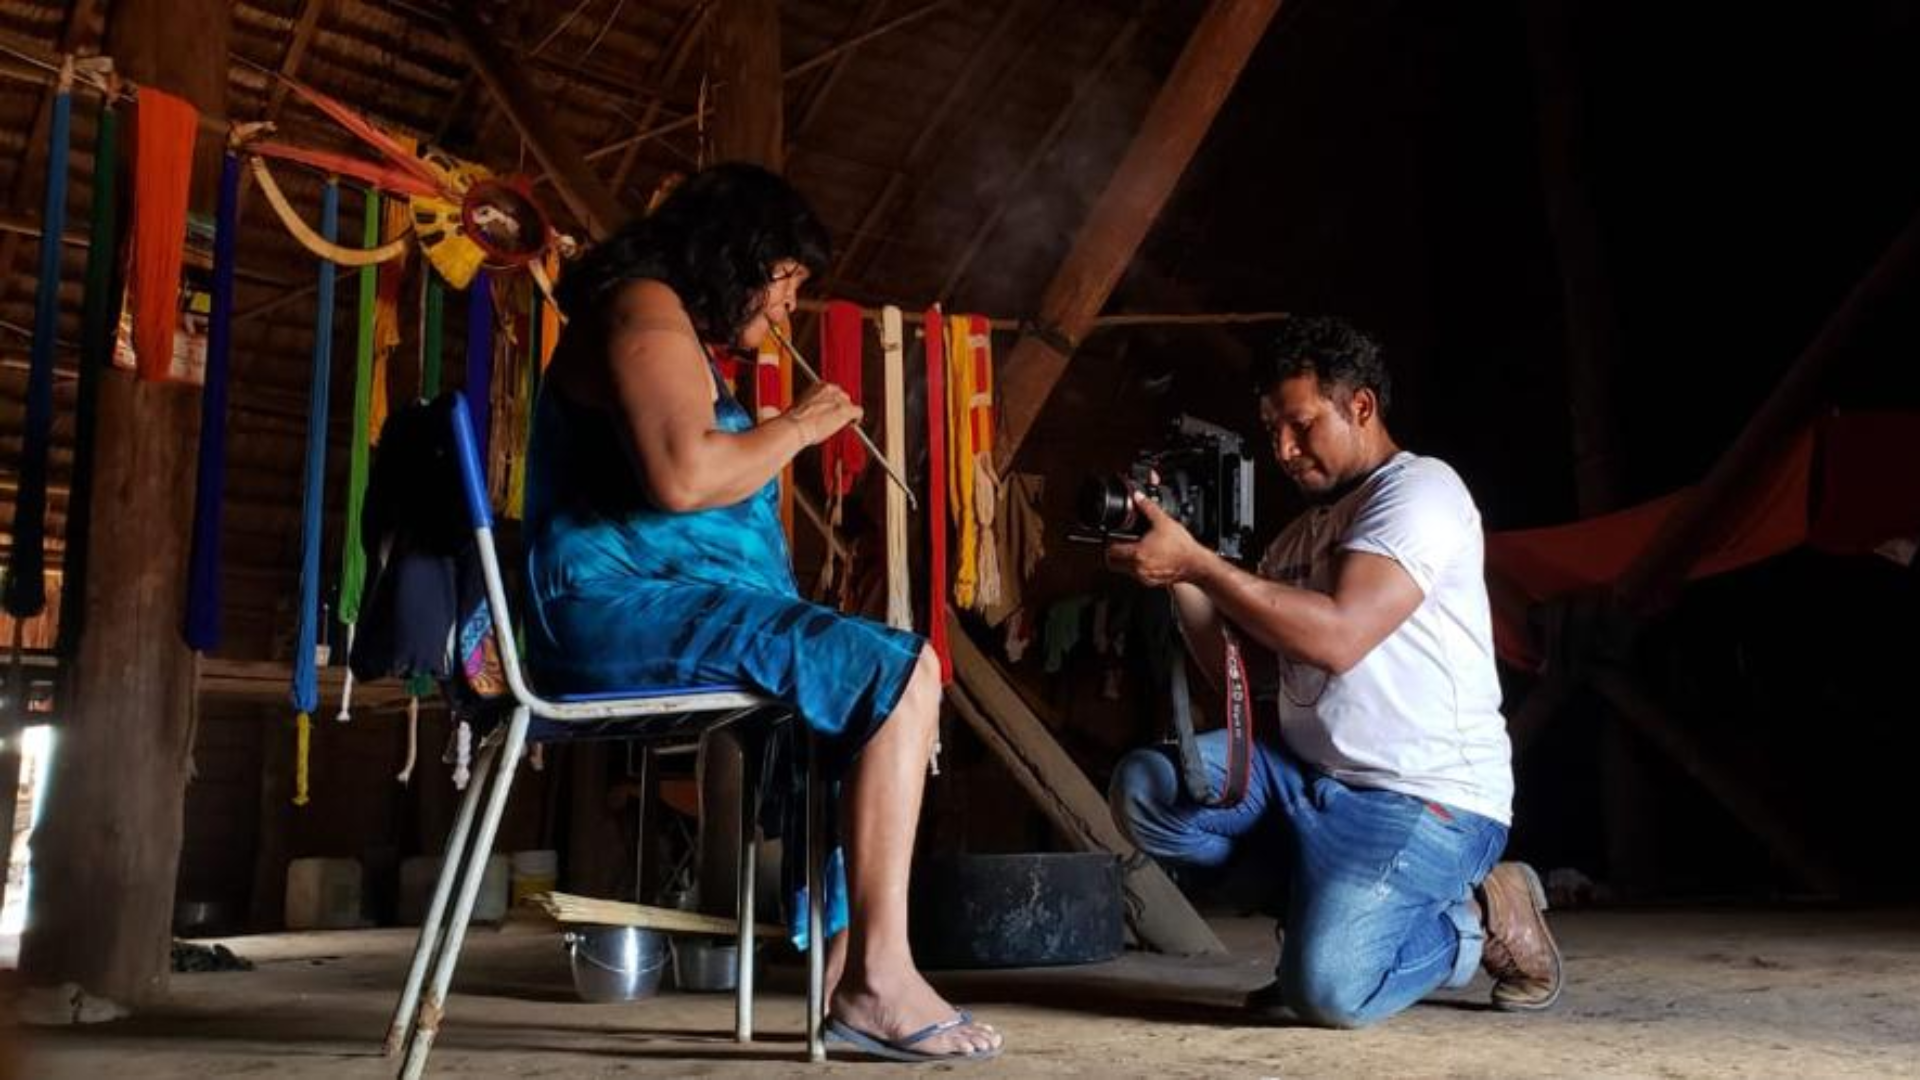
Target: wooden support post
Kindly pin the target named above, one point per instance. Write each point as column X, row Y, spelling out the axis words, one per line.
column 1161, row 917
column 594, row 859
column 748, row 121
column 104, row 871
column 747, row 127
column 1179, row 117
column 588, row 198
column 1592, row 329
column 1593, row 355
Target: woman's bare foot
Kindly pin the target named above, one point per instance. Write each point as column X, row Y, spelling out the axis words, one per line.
column 896, row 1005
column 836, row 963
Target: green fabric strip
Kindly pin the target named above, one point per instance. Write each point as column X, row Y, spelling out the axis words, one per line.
column 100, row 315
column 353, row 559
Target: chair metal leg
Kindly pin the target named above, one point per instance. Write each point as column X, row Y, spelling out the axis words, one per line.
column 814, row 849
column 434, row 1007
column 432, row 925
column 744, row 902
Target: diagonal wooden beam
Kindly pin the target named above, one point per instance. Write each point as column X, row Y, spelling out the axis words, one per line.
column 592, row 202
column 31, row 176
column 1011, row 189
column 304, row 29
column 1179, row 118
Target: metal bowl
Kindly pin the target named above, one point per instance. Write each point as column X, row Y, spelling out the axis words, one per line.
column 705, row 964
column 616, row 963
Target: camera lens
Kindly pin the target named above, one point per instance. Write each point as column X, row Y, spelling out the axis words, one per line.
column 1106, row 503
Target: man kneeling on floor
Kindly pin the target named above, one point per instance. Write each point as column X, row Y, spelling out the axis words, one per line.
column 1383, row 803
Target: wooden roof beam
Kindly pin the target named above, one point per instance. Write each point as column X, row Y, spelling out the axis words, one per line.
column 1179, row 118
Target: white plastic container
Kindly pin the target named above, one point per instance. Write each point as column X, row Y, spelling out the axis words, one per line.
column 419, row 874
column 534, row 872
column 323, row 894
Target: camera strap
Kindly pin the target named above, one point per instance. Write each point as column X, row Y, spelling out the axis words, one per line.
column 1193, row 770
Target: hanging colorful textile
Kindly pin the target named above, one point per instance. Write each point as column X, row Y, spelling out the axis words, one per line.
column 550, row 318
column 26, row 586
column 986, row 481
column 519, row 405
column 960, row 459
column 386, row 314
column 100, row 315
column 203, row 567
column 433, row 332
column 164, row 130
column 353, row 557
column 461, row 214
column 773, row 395
column 933, row 333
column 970, row 469
column 893, row 354
column 306, row 676
column 479, row 358
column 842, row 457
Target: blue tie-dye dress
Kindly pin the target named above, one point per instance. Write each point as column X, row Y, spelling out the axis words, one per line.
column 626, row 595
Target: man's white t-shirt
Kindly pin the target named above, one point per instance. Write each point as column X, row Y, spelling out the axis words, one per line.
column 1420, row 714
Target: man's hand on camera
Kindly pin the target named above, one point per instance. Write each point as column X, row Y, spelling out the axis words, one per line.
column 1166, row 555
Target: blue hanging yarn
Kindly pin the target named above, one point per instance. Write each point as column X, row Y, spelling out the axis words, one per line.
column 203, row 568
column 306, row 676
column 479, row 358
column 26, row 588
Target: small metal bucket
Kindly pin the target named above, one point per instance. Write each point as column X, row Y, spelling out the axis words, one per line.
column 705, row 965
column 616, row 963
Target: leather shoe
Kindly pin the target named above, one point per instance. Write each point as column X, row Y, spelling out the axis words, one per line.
column 1520, row 952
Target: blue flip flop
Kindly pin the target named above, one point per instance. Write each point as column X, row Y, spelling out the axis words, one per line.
column 902, row 1049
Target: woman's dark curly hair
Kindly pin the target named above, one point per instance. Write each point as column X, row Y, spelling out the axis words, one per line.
column 1340, row 357
column 712, row 242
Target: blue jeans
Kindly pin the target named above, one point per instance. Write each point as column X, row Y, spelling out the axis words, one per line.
column 1377, row 882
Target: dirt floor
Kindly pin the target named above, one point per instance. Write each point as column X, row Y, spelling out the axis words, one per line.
column 1651, row 994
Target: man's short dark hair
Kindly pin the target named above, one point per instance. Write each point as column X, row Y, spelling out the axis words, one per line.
column 1340, row 357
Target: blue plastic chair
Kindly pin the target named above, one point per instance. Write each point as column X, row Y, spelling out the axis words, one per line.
column 650, row 716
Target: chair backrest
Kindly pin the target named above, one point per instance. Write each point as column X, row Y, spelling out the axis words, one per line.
column 662, row 701
column 473, row 479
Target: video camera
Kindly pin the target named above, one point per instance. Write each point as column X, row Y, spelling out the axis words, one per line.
column 1205, row 483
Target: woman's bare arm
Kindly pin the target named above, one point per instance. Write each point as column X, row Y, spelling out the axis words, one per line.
column 665, row 395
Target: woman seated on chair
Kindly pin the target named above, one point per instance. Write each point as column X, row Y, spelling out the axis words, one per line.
column 657, row 559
